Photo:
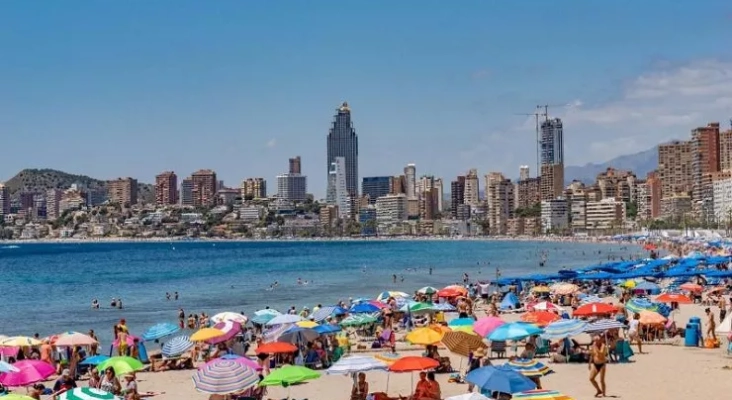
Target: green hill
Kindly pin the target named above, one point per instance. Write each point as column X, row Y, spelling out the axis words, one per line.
column 37, row 180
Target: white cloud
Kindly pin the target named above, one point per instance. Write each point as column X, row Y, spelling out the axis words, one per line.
column 272, row 143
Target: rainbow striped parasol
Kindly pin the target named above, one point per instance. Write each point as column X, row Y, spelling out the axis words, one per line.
column 528, row 367
column 540, row 395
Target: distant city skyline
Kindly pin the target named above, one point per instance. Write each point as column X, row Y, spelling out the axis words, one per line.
column 118, row 89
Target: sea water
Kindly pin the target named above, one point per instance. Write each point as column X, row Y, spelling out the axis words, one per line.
column 47, row 288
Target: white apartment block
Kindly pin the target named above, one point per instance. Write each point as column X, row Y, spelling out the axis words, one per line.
column 554, row 215
column 723, row 200
column 391, row 209
column 605, row 214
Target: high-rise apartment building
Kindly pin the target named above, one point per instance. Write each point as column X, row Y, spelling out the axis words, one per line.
column 4, row 200
column 166, row 188
column 551, row 181
column 53, row 199
column 704, row 161
column 649, row 197
column 186, row 192
column 122, row 191
column 428, row 204
column 391, row 209
column 375, row 187
column 675, row 168
column 204, row 188
column 292, row 187
column 295, row 165
column 552, row 142
column 255, row 188
column 337, row 192
column 440, row 187
column 725, row 150
column 410, row 177
column 524, row 173
column 500, row 198
column 472, row 189
column 343, row 142
column 457, row 195
column 398, row 185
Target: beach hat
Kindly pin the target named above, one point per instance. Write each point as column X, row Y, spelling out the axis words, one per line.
column 479, row 353
column 66, row 372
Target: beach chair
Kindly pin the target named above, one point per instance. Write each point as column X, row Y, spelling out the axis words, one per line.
column 312, row 360
column 498, row 348
column 623, row 351
column 542, row 348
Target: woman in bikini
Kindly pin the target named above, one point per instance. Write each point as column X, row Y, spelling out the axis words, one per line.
column 360, row 388
column 598, row 365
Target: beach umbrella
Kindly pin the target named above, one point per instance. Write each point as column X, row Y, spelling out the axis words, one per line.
column 229, row 316
column 229, row 328
column 71, row 339
column 514, row 331
column 540, row 318
column 418, row 308
column 307, row 324
column 267, row 311
column 28, row 372
column 6, row 367
column 383, row 296
column 205, row 334
column 177, row 346
column 276, row 347
column 86, row 393
column 324, row 312
column 16, row 396
column 357, row 320
column 450, row 292
column 130, row 340
column 546, row 306
column 284, row 319
column 160, row 330
column 486, row 325
column 224, row 377
column 565, row 288
column 423, row 336
column 691, row 287
column 590, row 299
column 263, row 318
column 645, row 285
column 388, row 357
column 121, row 365
column 461, row 322
column 362, row 308
column 94, row 360
column 629, row 284
column 327, row 329
column 651, row 317
column 504, row 380
column 564, row 328
column 299, row 335
column 288, row 375
column 355, row 364
column 443, row 307
column 444, row 329
column 469, row 396
column 673, row 298
column 20, row 341
column 637, row 305
column 594, row 309
column 240, row 359
column 528, row 367
column 540, row 394
column 427, row 290
column 603, row 325
column 462, row 343
column 413, row 363
column 541, row 289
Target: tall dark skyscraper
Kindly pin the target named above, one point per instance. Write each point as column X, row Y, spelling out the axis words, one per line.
column 343, row 142
column 552, row 142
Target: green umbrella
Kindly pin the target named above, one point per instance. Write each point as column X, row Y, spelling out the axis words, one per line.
column 419, row 307
column 288, row 375
column 121, row 365
column 358, row 319
column 87, row 393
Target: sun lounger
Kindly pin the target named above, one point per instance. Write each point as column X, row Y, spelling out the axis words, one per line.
column 498, row 348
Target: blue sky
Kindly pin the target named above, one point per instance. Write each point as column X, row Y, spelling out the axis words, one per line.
column 133, row 88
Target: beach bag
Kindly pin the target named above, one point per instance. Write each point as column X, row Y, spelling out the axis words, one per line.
column 711, row 343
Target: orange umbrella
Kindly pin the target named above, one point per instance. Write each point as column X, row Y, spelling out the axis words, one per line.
column 594, row 309
column 673, row 298
column 276, row 347
column 413, row 363
column 691, row 287
column 651, row 317
column 540, row 318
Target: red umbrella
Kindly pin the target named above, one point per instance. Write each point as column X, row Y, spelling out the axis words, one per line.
column 540, row 318
column 691, row 287
column 673, row 298
column 413, row 363
column 276, row 347
column 594, row 309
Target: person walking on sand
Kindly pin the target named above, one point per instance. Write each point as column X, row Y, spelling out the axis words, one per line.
column 634, row 332
column 598, row 365
column 711, row 324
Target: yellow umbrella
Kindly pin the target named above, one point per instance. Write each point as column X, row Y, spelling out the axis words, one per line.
column 565, row 288
column 464, row 328
column 425, row 336
column 306, row 324
column 540, row 289
column 206, row 334
column 630, row 284
column 20, row 341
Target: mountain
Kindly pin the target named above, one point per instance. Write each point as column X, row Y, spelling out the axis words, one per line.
column 37, row 180
column 640, row 163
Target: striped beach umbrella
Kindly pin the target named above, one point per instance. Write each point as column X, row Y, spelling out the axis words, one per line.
column 70, row 339
column 563, row 328
column 462, row 343
column 603, row 325
column 87, row 393
column 528, row 367
column 177, row 346
column 229, row 316
column 224, row 377
column 230, row 329
column 160, row 330
column 540, row 394
column 353, row 364
column 427, row 290
column 546, row 306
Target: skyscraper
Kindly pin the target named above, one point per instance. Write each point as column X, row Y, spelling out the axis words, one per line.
column 343, row 142
column 204, row 188
column 166, row 188
column 552, row 159
column 457, row 194
column 4, row 200
column 292, row 186
column 471, row 194
column 295, row 165
column 337, row 192
column 410, row 175
column 375, row 187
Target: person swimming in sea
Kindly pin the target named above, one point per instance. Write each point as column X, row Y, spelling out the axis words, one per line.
column 95, row 304
column 113, row 303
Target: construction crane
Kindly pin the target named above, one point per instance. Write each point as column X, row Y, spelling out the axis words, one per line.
column 540, row 111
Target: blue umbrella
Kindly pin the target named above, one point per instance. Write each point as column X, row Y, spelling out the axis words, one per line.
column 160, row 330
column 496, row 379
column 177, row 346
column 603, row 325
column 325, row 312
column 327, row 329
column 563, row 328
column 94, row 360
column 514, row 331
column 298, row 334
column 461, row 322
column 364, row 308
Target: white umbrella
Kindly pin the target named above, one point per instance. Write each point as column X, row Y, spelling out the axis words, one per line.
column 70, row 339
column 355, row 364
column 284, row 319
column 229, row 316
column 469, row 396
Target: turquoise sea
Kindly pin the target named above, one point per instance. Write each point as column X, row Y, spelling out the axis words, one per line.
column 47, row 288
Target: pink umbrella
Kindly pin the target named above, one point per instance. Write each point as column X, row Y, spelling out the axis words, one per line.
column 486, row 325
column 29, row 371
column 230, row 329
column 130, row 341
column 238, row 359
column 74, row 339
